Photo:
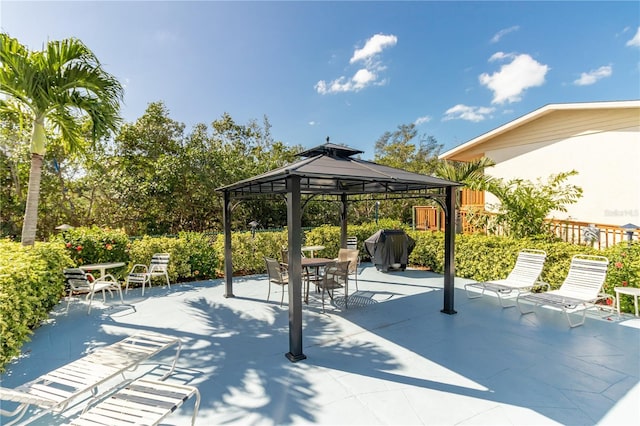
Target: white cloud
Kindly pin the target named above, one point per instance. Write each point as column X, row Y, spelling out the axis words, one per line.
column 312, row 123
column 635, row 41
column 422, row 120
column 587, row 78
column 498, row 56
column 364, row 77
column 361, row 79
column 496, row 38
column 514, row 78
column 468, row 113
column 373, row 46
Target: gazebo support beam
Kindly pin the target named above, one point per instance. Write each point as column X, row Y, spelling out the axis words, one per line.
column 449, row 250
column 228, row 261
column 343, row 221
column 294, row 232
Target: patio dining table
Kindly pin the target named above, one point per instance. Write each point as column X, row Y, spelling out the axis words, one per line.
column 314, row 263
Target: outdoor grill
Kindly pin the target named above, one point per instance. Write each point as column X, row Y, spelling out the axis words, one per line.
column 389, row 249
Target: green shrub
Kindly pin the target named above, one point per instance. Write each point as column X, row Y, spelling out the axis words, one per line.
column 248, row 250
column 31, row 284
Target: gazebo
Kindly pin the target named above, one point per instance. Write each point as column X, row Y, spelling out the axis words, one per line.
column 330, row 170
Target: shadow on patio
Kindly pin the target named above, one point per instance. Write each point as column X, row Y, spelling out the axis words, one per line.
column 391, row 358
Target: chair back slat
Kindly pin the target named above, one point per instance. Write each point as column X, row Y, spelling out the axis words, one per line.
column 528, row 266
column 352, row 242
column 159, row 262
column 586, row 276
column 77, row 279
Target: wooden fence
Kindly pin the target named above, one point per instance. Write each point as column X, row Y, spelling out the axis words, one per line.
column 431, row 218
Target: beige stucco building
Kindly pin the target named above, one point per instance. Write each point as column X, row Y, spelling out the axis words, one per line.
column 600, row 140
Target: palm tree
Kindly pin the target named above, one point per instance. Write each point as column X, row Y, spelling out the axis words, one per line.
column 57, row 88
column 471, row 174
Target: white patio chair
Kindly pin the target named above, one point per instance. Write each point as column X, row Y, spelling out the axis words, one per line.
column 143, row 274
column 581, row 289
column 81, row 282
column 523, row 277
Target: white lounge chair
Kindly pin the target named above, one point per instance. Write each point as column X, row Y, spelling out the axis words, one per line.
column 142, row 402
column 64, row 386
column 523, row 277
column 581, row 289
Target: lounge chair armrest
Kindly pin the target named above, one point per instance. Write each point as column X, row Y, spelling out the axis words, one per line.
column 23, row 398
column 540, row 284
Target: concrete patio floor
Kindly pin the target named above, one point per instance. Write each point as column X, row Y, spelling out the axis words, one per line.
column 391, row 358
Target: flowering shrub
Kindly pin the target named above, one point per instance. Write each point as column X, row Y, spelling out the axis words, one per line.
column 624, row 270
column 96, row 245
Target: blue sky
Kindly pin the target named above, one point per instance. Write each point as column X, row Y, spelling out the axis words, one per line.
column 350, row 70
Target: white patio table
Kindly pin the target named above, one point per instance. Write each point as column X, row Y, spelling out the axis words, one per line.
column 101, row 267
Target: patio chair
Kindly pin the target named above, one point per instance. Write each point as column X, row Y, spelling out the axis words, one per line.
column 81, row 282
column 142, row 402
column 142, row 275
column 336, row 275
column 522, row 278
column 78, row 380
column 353, row 256
column 278, row 275
column 581, row 289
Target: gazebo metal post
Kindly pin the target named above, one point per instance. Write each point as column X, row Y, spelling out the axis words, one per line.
column 228, row 261
column 343, row 221
column 449, row 249
column 294, row 232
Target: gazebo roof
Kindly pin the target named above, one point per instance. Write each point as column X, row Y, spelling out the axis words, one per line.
column 331, row 169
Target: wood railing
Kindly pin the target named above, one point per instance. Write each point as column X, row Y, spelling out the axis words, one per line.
column 431, row 218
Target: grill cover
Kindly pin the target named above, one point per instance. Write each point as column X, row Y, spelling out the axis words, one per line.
column 390, row 249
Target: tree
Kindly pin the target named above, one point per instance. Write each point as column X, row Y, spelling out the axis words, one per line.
column 525, row 205
column 397, row 149
column 470, row 174
column 57, row 87
column 402, row 149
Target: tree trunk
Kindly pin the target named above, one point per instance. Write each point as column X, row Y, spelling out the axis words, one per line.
column 30, row 224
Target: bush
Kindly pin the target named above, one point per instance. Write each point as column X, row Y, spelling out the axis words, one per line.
column 96, row 245
column 31, row 284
